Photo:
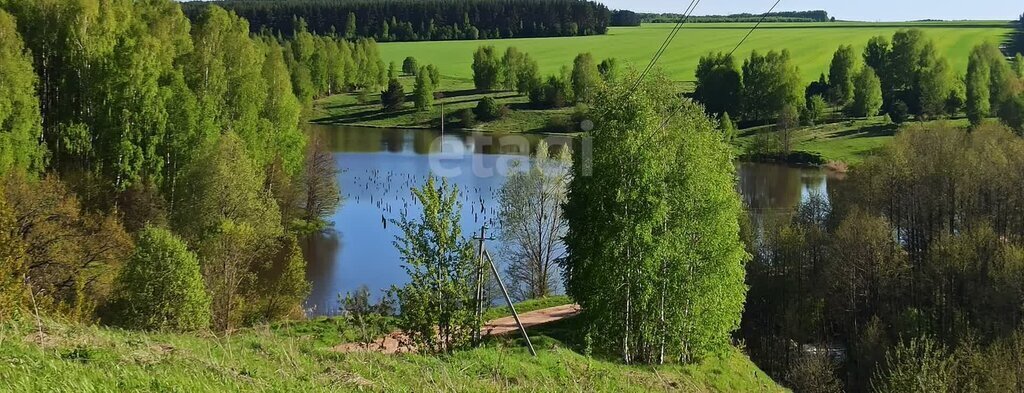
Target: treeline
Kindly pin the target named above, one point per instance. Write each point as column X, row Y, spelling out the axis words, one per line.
column 153, row 173
column 625, row 18
column 907, row 278
column 903, row 78
column 409, row 20
column 785, row 16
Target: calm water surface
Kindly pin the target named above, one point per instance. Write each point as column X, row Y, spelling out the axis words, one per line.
column 380, row 166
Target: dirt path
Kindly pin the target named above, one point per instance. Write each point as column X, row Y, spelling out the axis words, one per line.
column 393, row 343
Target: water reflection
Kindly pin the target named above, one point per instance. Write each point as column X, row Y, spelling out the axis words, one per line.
column 380, row 166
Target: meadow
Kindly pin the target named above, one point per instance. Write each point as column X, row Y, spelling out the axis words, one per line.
column 811, row 45
column 59, row 357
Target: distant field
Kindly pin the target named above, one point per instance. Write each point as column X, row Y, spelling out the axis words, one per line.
column 811, row 44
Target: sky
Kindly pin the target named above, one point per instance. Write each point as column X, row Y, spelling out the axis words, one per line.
column 860, row 10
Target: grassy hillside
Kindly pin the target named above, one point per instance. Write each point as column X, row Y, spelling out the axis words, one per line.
column 812, row 44
column 72, row 358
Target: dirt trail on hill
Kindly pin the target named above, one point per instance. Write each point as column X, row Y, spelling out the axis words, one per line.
column 395, row 342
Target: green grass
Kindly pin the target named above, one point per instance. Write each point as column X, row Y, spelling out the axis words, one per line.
column 458, row 95
column 812, row 45
column 81, row 359
column 848, row 141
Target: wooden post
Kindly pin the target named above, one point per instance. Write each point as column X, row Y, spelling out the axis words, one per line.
column 508, row 300
column 479, row 294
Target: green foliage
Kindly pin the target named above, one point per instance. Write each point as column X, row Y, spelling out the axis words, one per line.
column 410, row 66
column 978, row 78
column 650, row 237
column 609, row 69
column 486, row 69
column 12, row 263
column 770, row 83
column 423, row 92
column 1018, row 65
column 876, row 53
column 935, row 85
column 815, row 110
column 728, row 127
column 393, row 98
column 160, row 287
column 719, row 84
column 814, row 373
column 920, row 365
column 224, row 184
column 20, row 121
column 585, row 77
column 71, row 254
column 436, row 306
column 841, row 75
column 435, row 76
column 1012, row 113
column 488, row 109
column 867, row 94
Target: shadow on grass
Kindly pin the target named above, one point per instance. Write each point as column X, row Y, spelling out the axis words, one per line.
column 565, row 333
column 878, row 130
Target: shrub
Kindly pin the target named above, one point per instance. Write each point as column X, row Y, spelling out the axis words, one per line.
column 410, row 66
column 488, row 109
column 161, row 288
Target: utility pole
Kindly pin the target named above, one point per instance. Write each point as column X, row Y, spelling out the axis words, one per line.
column 483, row 254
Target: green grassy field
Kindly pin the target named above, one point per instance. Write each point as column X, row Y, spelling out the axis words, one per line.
column 811, row 44
column 848, row 141
column 82, row 359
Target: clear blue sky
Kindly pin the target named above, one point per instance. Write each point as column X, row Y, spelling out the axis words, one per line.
column 863, row 10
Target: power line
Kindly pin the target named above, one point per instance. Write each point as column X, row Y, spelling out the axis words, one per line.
column 668, row 41
column 763, row 17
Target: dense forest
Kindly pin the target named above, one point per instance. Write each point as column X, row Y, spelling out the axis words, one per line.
column 414, row 20
column 153, row 173
column 785, row 16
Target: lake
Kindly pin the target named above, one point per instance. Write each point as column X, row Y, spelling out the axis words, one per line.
column 380, row 166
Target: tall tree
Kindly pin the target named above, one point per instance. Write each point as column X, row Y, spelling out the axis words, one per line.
column 840, row 75
column 876, row 53
column 654, row 256
column 770, row 83
column 979, row 105
column 585, row 77
column 867, row 94
column 423, row 91
column 21, row 127
column 719, row 84
column 532, row 223
column 486, row 69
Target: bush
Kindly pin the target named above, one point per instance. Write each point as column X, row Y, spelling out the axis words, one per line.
column 899, row 112
column 410, row 66
column 161, row 287
column 488, row 109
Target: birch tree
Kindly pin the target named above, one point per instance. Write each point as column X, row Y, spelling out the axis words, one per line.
column 654, row 254
column 532, row 224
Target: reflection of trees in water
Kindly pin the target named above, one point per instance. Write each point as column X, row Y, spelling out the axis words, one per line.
column 320, row 251
column 766, row 186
